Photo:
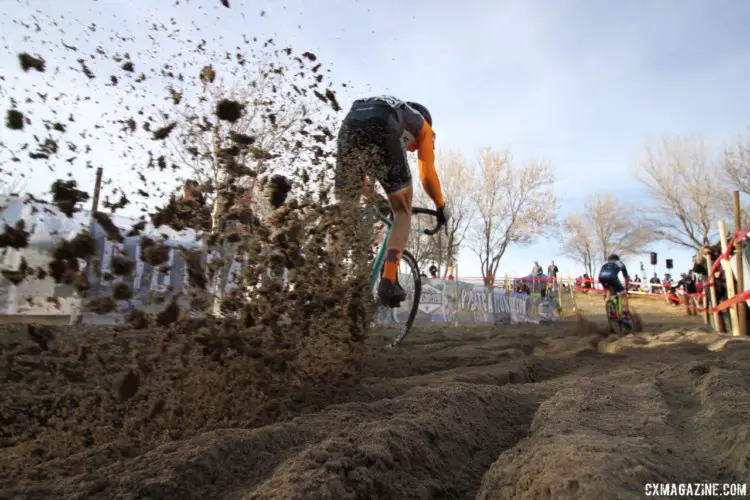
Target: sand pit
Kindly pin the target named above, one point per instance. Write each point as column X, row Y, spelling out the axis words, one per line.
column 294, row 398
column 517, row 411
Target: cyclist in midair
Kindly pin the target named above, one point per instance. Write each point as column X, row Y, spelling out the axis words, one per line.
column 372, row 142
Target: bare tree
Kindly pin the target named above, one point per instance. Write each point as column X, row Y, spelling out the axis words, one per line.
column 13, row 186
column 263, row 111
column 685, row 193
column 419, row 243
column 614, row 229
column 604, row 227
column 514, row 205
column 737, row 164
column 456, row 179
column 737, row 168
column 578, row 241
column 458, row 185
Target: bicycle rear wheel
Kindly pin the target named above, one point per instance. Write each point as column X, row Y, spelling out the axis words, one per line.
column 403, row 316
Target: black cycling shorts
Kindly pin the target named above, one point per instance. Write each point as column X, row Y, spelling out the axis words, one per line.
column 613, row 284
column 369, row 144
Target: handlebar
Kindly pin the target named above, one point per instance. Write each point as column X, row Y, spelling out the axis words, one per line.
column 432, row 213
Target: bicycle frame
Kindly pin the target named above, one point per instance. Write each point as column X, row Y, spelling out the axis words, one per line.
column 381, row 253
column 616, row 301
column 388, row 221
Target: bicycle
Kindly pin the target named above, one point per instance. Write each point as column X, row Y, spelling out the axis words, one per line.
column 406, row 258
column 624, row 319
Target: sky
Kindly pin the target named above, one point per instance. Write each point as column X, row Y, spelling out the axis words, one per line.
column 582, row 85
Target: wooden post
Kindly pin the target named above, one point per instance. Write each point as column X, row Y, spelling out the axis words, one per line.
column 572, row 291
column 729, row 276
column 712, row 293
column 704, row 303
column 97, row 190
column 458, row 290
column 740, row 265
column 75, row 315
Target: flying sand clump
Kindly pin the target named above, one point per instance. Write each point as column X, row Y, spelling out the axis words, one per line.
column 294, row 319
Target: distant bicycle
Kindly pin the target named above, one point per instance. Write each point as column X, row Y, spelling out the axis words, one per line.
column 618, row 318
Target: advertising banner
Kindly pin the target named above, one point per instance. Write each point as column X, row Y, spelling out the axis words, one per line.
column 441, row 300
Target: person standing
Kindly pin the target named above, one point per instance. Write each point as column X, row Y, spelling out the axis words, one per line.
column 536, row 276
column 552, row 272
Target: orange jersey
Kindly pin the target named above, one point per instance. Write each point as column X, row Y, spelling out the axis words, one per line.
column 425, row 144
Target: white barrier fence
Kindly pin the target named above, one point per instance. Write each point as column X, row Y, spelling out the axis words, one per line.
column 441, row 300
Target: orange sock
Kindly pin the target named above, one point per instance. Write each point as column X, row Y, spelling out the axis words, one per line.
column 390, row 269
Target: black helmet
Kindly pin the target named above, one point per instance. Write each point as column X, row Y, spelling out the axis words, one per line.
column 422, row 111
column 614, row 256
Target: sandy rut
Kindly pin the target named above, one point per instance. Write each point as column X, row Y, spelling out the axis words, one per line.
column 518, row 411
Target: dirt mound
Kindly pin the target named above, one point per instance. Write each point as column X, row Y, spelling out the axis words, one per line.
column 515, row 411
column 288, row 393
column 67, row 395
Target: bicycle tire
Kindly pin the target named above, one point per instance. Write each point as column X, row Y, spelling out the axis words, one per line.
column 612, row 317
column 409, row 259
column 634, row 320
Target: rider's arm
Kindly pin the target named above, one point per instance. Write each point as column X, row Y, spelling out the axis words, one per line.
column 625, row 273
column 427, row 173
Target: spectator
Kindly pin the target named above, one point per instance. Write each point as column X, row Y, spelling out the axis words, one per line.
column 634, row 283
column 689, row 289
column 700, row 266
column 189, row 210
column 688, row 283
column 552, row 272
column 700, row 263
column 450, row 277
column 536, row 275
column 586, row 282
column 433, row 271
column 655, row 281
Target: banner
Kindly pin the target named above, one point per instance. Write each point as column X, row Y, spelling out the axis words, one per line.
column 453, row 301
column 441, row 300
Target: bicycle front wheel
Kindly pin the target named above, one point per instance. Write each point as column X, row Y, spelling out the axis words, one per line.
column 403, row 316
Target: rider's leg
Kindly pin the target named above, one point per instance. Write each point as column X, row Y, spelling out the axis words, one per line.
column 618, row 288
column 349, row 177
column 401, row 207
column 392, row 171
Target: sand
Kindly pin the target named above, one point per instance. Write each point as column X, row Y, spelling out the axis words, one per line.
column 516, row 411
column 296, row 399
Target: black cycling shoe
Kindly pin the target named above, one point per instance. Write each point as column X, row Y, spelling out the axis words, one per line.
column 391, row 293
